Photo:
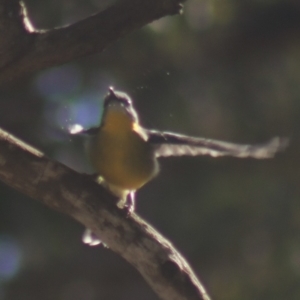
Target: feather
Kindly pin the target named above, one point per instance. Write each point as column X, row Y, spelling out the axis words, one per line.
column 171, row 144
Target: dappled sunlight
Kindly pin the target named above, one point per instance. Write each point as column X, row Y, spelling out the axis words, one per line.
column 224, row 69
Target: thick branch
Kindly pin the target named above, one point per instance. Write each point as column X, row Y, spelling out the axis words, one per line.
column 29, row 171
column 40, row 49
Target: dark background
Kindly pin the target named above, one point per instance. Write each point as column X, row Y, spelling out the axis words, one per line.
column 225, row 69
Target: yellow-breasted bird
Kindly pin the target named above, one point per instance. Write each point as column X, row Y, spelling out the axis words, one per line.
column 124, row 154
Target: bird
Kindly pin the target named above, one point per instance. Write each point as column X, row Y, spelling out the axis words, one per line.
column 125, row 155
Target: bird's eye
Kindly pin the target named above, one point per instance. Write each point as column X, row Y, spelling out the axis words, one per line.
column 118, row 97
column 125, row 101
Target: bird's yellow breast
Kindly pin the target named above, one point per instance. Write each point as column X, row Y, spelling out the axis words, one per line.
column 121, row 155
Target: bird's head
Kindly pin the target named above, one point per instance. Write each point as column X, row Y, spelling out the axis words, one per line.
column 119, row 102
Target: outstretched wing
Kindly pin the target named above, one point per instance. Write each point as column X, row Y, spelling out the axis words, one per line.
column 77, row 129
column 171, row 144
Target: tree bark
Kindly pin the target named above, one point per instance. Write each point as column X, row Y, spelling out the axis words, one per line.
column 77, row 195
column 24, row 49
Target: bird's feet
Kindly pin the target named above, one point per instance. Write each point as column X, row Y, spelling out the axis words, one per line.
column 127, row 203
column 90, row 238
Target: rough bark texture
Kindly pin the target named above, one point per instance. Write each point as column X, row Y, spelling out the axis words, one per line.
column 24, row 50
column 32, row 173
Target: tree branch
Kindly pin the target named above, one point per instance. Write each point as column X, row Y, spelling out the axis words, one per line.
column 33, row 50
column 32, row 173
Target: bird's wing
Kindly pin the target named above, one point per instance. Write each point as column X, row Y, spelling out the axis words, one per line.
column 171, row 144
column 77, row 129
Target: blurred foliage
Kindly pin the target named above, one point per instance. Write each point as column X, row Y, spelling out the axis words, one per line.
column 225, row 69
